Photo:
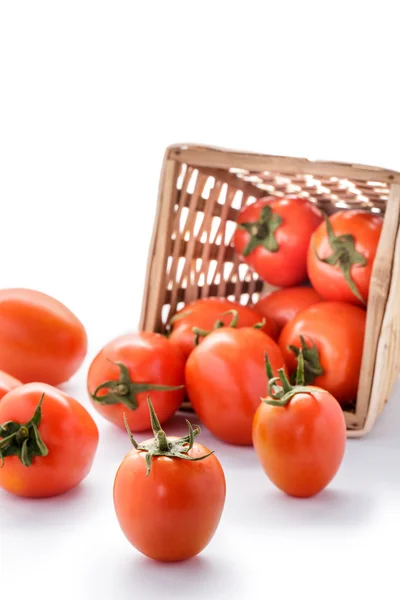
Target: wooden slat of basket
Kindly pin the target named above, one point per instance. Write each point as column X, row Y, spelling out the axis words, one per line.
column 387, row 365
column 231, row 215
column 176, row 249
column 205, row 229
column 377, row 302
column 150, row 319
column 213, row 290
column 187, row 278
column 223, row 248
column 225, row 159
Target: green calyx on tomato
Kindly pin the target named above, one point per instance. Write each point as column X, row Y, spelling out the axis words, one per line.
column 162, row 446
column 262, row 232
column 198, row 333
column 344, row 255
column 124, row 390
column 23, row 440
column 310, row 357
column 280, row 395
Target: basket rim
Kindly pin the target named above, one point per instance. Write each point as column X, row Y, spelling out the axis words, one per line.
column 213, row 156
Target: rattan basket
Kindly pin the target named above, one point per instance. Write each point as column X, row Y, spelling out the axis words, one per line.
column 191, row 255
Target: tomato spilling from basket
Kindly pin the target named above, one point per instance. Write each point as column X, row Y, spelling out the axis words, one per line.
column 266, row 295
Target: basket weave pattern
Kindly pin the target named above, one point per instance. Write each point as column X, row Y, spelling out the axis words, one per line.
column 201, row 193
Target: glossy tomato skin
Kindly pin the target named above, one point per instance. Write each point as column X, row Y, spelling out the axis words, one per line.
column 328, row 280
column 337, row 329
column 284, row 304
column 40, row 338
column 287, row 266
column 172, row 514
column 301, row 445
column 205, row 312
column 7, row 383
column 150, row 358
column 69, row 433
column 225, row 379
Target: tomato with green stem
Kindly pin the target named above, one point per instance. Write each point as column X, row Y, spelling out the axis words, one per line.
column 272, row 237
column 203, row 314
column 225, row 380
column 331, row 336
column 284, row 304
column 341, row 255
column 48, row 441
column 127, row 369
column 169, row 494
column 299, row 434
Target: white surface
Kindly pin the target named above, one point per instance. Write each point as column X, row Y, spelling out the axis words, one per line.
column 91, row 94
column 336, row 544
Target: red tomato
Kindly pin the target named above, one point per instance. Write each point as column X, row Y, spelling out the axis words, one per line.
column 125, row 370
column 172, row 513
column 272, row 237
column 283, row 305
column 40, row 338
column 333, row 334
column 225, row 379
column 299, row 435
column 7, row 383
column 51, row 442
column 205, row 312
column 340, row 259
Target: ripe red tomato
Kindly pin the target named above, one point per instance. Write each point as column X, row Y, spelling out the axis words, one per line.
column 225, row 379
column 205, row 312
column 283, row 305
column 47, row 440
column 40, row 338
column 333, row 338
column 299, row 435
column 272, row 237
column 342, row 253
column 7, row 383
column 126, row 369
column 172, row 513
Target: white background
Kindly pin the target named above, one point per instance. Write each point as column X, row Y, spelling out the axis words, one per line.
column 91, row 93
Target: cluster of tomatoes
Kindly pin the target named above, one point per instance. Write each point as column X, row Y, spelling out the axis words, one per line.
column 275, row 375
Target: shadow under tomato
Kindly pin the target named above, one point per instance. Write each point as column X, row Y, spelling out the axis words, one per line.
column 327, row 510
column 213, row 575
column 31, row 515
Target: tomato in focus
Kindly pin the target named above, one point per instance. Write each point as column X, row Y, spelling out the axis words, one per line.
column 169, row 494
column 52, row 441
column 299, row 435
column 333, row 339
column 127, row 369
column 40, row 338
column 225, row 379
column 272, row 237
column 283, row 305
column 341, row 255
column 204, row 313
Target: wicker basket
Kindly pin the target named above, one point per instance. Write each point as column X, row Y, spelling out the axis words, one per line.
column 191, row 255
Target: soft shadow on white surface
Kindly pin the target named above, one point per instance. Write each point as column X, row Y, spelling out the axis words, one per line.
column 30, row 516
column 327, row 510
column 199, row 577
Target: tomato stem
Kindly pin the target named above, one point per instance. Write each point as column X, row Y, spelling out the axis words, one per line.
column 344, row 256
column 161, row 445
column 23, row 441
column 280, row 395
column 310, row 357
column 124, row 390
column 262, row 232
